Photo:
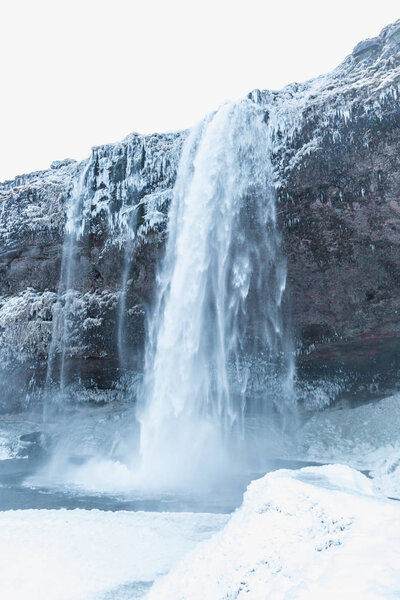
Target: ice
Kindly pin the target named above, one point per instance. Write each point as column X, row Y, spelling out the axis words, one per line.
column 320, row 532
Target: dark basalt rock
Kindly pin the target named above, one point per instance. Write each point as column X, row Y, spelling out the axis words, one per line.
column 336, row 158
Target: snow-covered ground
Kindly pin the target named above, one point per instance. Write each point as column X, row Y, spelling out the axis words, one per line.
column 81, row 554
column 320, row 532
column 365, row 438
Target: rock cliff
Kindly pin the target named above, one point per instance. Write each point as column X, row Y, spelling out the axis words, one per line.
column 336, row 158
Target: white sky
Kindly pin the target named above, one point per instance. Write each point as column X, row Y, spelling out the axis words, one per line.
column 80, row 73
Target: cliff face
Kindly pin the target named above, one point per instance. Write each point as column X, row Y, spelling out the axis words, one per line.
column 336, row 157
column 127, row 188
column 338, row 178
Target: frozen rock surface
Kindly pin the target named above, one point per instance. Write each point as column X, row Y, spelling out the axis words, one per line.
column 320, row 532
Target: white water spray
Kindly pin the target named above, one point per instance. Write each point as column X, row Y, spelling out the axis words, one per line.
column 217, row 324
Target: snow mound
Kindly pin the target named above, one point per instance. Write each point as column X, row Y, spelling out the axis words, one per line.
column 87, row 555
column 365, row 438
column 320, row 532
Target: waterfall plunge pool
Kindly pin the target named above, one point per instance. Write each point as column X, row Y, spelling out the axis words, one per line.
column 83, row 468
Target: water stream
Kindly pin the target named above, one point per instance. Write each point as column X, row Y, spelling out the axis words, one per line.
column 70, row 275
column 124, row 346
column 218, row 351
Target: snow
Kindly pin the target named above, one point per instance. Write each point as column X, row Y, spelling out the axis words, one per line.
column 365, row 437
column 321, row 532
column 79, row 554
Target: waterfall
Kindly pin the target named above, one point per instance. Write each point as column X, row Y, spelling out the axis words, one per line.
column 122, row 342
column 123, row 345
column 68, row 282
column 217, row 326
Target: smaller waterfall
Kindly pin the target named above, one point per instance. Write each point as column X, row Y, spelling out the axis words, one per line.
column 69, row 280
column 122, row 342
column 123, row 345
column 217, row 349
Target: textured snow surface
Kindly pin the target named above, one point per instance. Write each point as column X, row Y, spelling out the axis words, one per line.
column 320, row 532
column 365, row 437
column 79, row 554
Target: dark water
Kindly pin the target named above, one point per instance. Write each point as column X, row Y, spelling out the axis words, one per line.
column 16, row 492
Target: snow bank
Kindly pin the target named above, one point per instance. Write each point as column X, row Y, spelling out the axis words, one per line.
column 79, row 554
column 320, row 532
column 365, row 438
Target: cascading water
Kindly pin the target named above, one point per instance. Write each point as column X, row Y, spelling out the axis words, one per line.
column 217, row 349
column 123, row 345
column 64, row 307
column 217, row 391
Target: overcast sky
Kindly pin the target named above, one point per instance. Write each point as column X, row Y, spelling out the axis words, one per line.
column 77, row 73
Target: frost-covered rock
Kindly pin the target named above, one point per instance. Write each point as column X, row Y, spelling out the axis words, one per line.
column 337, row 165
column 336, row 157
column 126, row 192
column 320, row 532
column 26, row 325
column 26, row 322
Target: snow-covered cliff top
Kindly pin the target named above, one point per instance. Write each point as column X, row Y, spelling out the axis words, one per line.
column 364, row 85
column 373, row 69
